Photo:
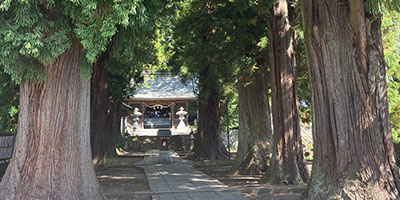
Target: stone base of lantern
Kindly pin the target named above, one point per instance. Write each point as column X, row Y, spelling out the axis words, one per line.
column 182, row 131
column 164, row 156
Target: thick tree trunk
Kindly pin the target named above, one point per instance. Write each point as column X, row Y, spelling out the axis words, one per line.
column 105, row 114
column 52, row 158
column 209, row 144
column 99, row 124
column 353, row 147
column 287, row 164
column 114, row 127
column 255, row 133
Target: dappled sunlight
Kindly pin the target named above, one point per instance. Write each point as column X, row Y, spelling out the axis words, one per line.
column 116, row 177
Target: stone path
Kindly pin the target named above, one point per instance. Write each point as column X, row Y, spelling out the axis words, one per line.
column 177, row 179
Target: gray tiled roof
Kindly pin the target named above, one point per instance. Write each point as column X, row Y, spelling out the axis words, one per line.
column 165, row 86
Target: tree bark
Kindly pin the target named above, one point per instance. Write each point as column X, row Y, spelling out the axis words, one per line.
column 52, row 158
column 105, row 116
column 99, row 109
column 209, row 144
column 353, row 147
column 114, row 127
column 287, row 164
column 255, row 132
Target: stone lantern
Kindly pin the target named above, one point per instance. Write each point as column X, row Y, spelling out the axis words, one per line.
column 136, row 115
column 181, row 113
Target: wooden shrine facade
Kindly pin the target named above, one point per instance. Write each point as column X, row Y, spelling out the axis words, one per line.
column 159, row 113
column 158, row 104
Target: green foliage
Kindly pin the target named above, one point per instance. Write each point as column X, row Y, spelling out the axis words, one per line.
column 35, row 33
column 216, row 36
column 303, row 81
column 221, row 41
column 8, row 105
column 391, row 45
column 377, row 7
column 137, row 48
column 229, row 109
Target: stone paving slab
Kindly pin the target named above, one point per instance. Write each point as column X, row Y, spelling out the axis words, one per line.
column 179, row 180
column 198, row 196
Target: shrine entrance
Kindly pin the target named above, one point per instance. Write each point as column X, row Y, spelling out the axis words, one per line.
column 157, row 116
column 157, row 105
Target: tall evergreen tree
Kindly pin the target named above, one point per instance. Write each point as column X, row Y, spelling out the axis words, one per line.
column 353, row 146
column 49, row 47
column 131, row 50
column 255, row 131
column 287, row 164
column 99, row 109
column 210, row 38
column 197, row 51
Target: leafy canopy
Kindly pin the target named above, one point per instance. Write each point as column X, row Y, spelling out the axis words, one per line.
column 138, row 48
column 35, row 33
column 218, row 36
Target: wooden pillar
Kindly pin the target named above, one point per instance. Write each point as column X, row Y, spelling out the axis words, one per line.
column 143, row 113
column 172, row 115
column 123, row 124
column 187, row 115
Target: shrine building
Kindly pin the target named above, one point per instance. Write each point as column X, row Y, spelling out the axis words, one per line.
column 157, row 106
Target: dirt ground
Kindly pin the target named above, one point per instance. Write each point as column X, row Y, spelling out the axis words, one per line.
column 121, row 180
column 248, row 185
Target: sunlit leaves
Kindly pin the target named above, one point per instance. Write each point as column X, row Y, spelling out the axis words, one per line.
column 391, row 45
column 379, row 7
column 137, row 47
column 8, row 104
column 5, row 5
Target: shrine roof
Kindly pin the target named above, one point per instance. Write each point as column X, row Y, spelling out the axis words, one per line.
column 165, row 87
